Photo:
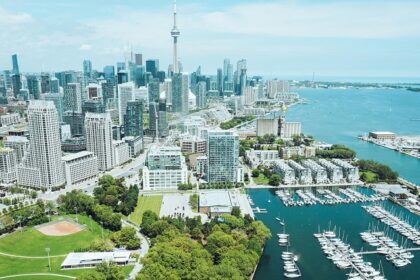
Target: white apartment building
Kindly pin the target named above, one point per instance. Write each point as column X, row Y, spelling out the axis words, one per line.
column 165, row 168
column 9, row 119
column 80, row 166
column 8, row 164
column 19, row 144
column 335, row 173
column 99, row 139
column 250, row 95
column 125, row 94
column 42, row 165
column 256, row 157
column 303, row 174
column 122, row 152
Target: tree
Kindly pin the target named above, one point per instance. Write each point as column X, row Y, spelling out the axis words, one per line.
column 110, row 271
column 100, row 245
column 91, row 275
column 149, row 217
column 236, row 211
column 127, row 238
column 274, row 180
column 255, row 173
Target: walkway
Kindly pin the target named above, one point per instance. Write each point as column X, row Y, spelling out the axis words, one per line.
column 144, row 248
column 376, row 252
column 30, row 257
column 37, row 274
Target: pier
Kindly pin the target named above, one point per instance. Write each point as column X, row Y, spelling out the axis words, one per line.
column 377, row 252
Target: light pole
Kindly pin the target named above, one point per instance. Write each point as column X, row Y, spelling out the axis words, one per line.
column 77, row 220
column 49, row 262
column 102, row 228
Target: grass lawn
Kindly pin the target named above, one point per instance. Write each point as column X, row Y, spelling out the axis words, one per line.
column 370, row 177
column 12, row 266
column 152, row 202
column 30, row 242
column 261, row 179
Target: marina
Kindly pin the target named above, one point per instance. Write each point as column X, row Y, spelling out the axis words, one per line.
column 350, row 220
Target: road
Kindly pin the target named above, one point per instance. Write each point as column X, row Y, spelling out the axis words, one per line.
column 128, row 171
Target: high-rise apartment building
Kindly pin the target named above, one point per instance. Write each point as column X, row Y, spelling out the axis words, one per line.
column 222, row 156
column 201, row 95
column 42, row 166
column 57, row 99
column 180, row 93
column 72, row 100
column 8, row 164
column 98, row 127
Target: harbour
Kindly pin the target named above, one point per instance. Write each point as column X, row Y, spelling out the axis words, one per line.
column 349, row 219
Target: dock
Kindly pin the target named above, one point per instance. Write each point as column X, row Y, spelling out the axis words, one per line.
column 376, row 252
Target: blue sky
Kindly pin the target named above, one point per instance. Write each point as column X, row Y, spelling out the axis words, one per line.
column 281, row 38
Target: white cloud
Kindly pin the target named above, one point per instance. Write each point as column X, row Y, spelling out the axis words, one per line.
column 11, row 18
column 333, row 20
column 85, row 47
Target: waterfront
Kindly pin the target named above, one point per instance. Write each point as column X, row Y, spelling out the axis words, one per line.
column 302, row 222
column 340, row 115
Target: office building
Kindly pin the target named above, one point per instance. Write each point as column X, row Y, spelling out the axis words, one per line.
column 138, row 59
column 153, row 90
column 76, row 121
column 54, row 85
column 79, row 167
column 45, row 82
column 42, row 166
column 93, row 92
column 57, row 99
column 163, row 129
column 223, row 156
column 133, row 119
column 72, row 100
column 193, row 144
column 33, row 86
column 15, row 65
column 16, row 84
column 87, row 68
column 8, row 164
column 152, row 66
column 98, row 127
column 165, row 168
column 135, row 145
column 125, row 94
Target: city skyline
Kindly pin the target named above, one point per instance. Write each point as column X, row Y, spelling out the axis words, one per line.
column 331, row 39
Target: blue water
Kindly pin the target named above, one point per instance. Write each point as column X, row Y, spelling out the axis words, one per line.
column 339, row 116
column 302, row 222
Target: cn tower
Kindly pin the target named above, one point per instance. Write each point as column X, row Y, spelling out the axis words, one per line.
column 175, row 34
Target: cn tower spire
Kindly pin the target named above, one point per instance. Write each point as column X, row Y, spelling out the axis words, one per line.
column 175, row 34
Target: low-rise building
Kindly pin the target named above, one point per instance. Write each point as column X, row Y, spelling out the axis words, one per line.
column 193, row 144
column 304, row 151
column 135, row 144
column 335, row 173
column 79, row 167
column 285, row 171
column 92, row 259
column 303, row 174
column 382, row 135
column 350, row 172
column 9, row 119
column 256, row 157
column 319, row 173
column 217, row 202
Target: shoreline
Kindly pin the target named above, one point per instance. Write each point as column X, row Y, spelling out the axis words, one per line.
column 388, row 146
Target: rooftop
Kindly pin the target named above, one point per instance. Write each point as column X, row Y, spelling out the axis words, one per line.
column 74, row 156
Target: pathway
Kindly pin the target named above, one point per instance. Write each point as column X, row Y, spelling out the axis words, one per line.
column 30, row 257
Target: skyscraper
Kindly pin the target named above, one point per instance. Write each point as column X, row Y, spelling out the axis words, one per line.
column 16, row 84
column 45, row 82
column 220, row 80
column 153, row 90
column 153, row 118
column 133, row 119
column 175, row 34
column 72, row 98
column 201, row 95
column 125, row 94
column 180, row 93
column 163, row 130
column 57, row 99
column 42, row 167
column 99, row 139
column 15, row 65
column 138, row 58
column 152, row 66
column 222, row 156
column 33, row 86
column 87, row 68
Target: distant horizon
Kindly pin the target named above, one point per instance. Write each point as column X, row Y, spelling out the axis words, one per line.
column 351, row 38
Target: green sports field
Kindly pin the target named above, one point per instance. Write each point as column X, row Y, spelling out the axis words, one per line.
column 152, row 202
column 31, row 244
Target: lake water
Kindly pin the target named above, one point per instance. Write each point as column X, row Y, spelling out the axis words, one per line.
column 339, row 116
column 303, row 222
